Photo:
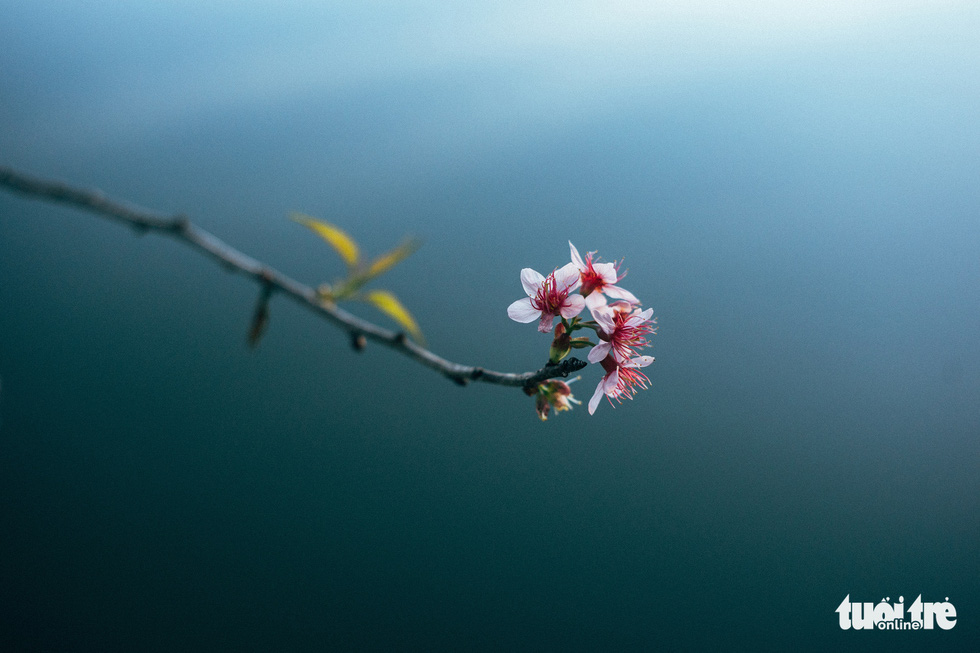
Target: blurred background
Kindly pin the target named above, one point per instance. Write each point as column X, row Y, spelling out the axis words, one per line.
column 793, row 188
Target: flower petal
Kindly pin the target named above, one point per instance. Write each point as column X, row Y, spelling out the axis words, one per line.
column 531, row 280
column 620, row 293
column 640, row 318
column 607, row 271
column 640, row 361
column 547, row 320
column 603, row 315
column 522, row 311
column 567, row 277
column 595, row 300
column 596, row 397
column 576, row 258
column 599, row 352
column 611, row 382
column 572, row 306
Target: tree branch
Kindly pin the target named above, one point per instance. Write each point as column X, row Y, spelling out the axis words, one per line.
column 273, row 281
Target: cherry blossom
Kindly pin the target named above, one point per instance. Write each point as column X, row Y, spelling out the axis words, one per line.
column 621, row 380
column 599, row 278
column 548, row 297
column 624, row 328
column 621, row 327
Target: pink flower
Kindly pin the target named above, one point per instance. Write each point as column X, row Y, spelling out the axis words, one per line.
column 548, row 297
column 599, row 278
column 624, row 329
column 621, row 380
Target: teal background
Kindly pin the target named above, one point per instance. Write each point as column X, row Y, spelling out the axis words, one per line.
column 794, row 191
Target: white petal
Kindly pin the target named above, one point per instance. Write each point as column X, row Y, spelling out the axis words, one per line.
column 603, row 315
column 531, row 280
column 599, row 352
column 595, row 300
column 522, row 311
column 640, row 361
column 611, row 381
column 596, row 397
column 567, row 277
column 576, row 259
column 607, row 271
column 621, row 293
column 640, row 318
column 572, row 306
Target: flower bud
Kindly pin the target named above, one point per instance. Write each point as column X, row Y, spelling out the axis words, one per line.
column 561, row 345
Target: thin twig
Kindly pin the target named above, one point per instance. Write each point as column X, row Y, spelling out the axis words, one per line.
column 182, row 229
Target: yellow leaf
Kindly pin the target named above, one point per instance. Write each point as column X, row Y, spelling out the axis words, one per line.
column 387, row 261
column 390, row 306
column 341, row 242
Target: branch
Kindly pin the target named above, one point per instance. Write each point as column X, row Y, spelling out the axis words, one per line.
column 271, row 280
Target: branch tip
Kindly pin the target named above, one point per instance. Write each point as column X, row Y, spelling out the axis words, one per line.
column 270, row 280
column 552, row 370
column 358, row 341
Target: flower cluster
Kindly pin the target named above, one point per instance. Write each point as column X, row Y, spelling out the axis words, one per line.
column 621, row 327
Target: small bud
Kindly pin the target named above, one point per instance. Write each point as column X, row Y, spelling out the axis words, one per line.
column 358, row 341
column 561, row 345
column 325, row 293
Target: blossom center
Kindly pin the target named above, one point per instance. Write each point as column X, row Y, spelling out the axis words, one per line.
column 629, row 334
column 549, row 298
column 592, row 279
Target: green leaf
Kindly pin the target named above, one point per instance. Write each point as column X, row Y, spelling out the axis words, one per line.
column 340, row 241
column 388, row 260
column 388, row 304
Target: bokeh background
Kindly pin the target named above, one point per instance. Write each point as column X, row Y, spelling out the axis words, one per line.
column 793, row 188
